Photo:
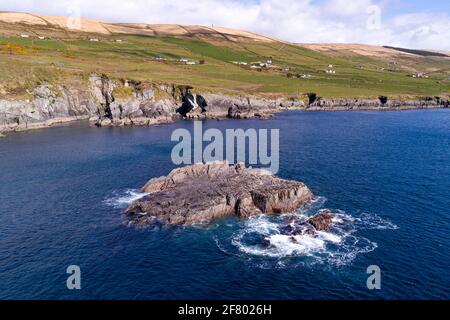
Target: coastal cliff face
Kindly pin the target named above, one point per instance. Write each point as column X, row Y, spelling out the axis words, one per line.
column 125, row 103
column 48, row 107
column 376, row 104
column 111, row 103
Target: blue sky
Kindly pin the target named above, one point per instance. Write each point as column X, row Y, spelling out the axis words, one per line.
column 412, row 24
column 416, row 5
column 411, row 6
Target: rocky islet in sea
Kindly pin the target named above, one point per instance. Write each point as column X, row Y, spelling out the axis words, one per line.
column 204, row 192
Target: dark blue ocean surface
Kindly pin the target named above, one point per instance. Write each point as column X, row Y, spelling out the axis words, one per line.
column 63, row 190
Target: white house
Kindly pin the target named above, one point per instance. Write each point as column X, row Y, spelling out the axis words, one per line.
column 25, row 35
column 93, row 40
column 190, row 62
column 118, row 40
column 330, row 66
column 420, row 75
column 41, row 38
column 184, row 60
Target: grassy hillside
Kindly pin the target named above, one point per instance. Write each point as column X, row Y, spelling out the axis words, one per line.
column 68, row 58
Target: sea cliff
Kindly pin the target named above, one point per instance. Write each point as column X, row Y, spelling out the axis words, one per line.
column 107, row 102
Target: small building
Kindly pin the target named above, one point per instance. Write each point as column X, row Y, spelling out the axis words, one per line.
column 330, row 66
column 190, row 62
column 23, row 35
column 184, row 60
column 41, row 38
column 93, row 40
column 420, row 75
column 119, row 41
column 259, row 64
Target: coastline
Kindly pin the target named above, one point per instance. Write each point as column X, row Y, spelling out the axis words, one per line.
column 104, row 104
column 58, row 122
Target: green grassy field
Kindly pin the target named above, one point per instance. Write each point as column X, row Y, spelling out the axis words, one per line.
column 26, row 62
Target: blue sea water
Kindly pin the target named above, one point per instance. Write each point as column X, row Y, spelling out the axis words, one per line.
column 63, row 190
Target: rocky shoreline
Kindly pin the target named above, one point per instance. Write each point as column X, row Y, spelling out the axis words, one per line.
column 130, row 103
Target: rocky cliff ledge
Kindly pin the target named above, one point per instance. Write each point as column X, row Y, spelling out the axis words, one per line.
column 201, row 193
column 107, row 102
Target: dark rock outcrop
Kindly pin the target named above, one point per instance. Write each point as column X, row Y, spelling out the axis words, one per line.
column 191, row 102
column 322, row 221
column 201, row 193
column 294, row 226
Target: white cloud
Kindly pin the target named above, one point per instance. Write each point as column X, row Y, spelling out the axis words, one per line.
column 293, row 20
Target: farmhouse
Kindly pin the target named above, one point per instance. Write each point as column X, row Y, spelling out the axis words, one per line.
column 420, row 75
column 241, row 63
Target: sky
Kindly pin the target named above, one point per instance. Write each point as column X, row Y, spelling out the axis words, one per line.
column 415, row 24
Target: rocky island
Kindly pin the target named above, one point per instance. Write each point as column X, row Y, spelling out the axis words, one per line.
column 202, row 193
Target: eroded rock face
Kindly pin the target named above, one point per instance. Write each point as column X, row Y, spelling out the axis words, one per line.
column 376, row 104
column 223, row 106
column 322, row 221
column 50, row 105
column 139, row 109
column 151, row 103
column 201, row 193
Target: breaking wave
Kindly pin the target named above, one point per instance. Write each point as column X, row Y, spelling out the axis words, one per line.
column 262, row 238
column 373, row 221
column 124, row 199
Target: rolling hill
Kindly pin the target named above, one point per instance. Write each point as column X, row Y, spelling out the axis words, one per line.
column 36, row 49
